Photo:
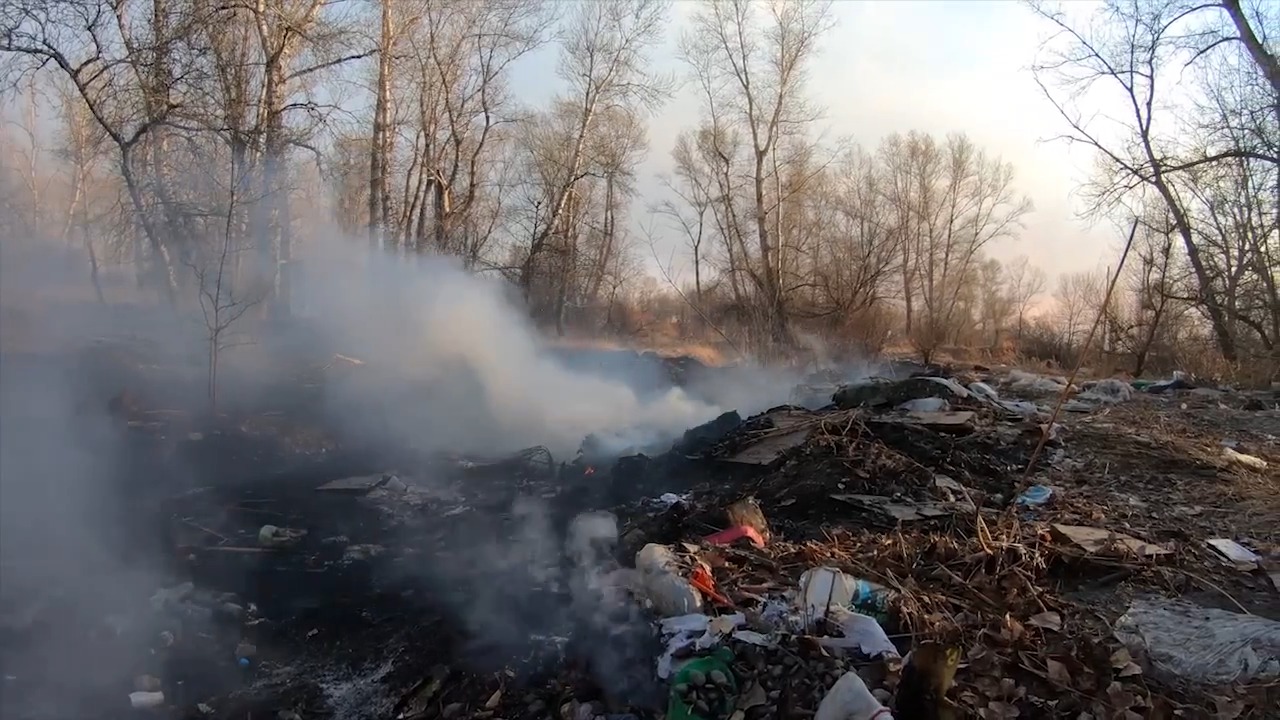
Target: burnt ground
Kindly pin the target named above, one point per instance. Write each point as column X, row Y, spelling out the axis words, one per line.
column 459, row 571
column 448, row 590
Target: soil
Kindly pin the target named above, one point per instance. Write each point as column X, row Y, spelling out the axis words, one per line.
column 448, row 589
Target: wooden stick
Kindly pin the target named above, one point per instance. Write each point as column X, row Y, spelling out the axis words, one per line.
column 1062, row 396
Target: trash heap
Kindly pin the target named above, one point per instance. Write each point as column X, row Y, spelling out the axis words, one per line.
column 917, row 503
column 894, row 554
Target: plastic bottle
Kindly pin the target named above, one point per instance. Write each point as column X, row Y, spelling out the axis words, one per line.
column 824, row 587
column 664, row 583
column 871, row 599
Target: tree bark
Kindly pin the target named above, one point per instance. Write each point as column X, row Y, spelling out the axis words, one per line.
column 379, row 145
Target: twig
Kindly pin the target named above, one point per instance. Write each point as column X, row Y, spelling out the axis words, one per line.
column 1211, row 586
column 198, row 526
column 690, row 303
column 1084, row 350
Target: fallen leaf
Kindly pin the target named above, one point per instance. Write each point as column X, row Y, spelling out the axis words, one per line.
column 1130, row 670
column 987, row 686
column 1049, row 620
column 1086, row 681
column 1012, row 630
column 1058, row 673
column 1120, row 698
column 1122, row 662
column 977, row 652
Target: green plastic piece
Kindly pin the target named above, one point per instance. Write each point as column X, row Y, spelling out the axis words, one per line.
column 718, row 660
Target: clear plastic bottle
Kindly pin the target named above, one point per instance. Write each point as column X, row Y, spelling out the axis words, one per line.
column 871, row 599
column 664, row 583
column 824, row 587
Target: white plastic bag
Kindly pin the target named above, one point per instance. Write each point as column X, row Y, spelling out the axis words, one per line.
column 861, row 632
column 849, row 699
column 1205, row 645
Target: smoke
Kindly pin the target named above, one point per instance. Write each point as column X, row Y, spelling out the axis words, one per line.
column 69, row 590
column 544, row 593
column 453, row 363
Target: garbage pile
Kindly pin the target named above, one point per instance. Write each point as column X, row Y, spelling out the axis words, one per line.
column 919, row 503
column 895, row 553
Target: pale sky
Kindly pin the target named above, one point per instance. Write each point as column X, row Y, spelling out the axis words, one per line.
column 895, row 65
column 935, row 66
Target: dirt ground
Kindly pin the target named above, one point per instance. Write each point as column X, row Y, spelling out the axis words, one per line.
column 445, row 586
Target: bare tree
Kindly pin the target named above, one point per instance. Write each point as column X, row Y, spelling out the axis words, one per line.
column 1132, row 47
column 857, row 254
column 1155, row 282
column 83, row 148
column 126, row 78
column 913, row 167
column 1077, row 299
column 996, row 301
column 460, row 63
column 950, row 202
column 604, row 61
column 380, row 147
column 1025, row 283
column 752, row 78
column 222, row 301
column 690, row 210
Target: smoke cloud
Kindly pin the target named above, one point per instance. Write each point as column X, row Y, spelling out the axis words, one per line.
column 453, row 363
column 73, row 568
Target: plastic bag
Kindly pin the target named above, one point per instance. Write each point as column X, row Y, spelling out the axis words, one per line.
column 1205, row 645
column 861, row 632
column 849, row 699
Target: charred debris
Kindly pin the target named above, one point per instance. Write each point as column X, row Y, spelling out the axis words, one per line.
column 882, row 548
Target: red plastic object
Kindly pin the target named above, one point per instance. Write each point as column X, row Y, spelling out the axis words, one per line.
column 702, row 581
column 733, row 534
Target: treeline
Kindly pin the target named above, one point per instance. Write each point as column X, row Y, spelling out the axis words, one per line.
column 203, row 142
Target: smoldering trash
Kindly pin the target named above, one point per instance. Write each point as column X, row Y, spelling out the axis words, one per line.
column 875, row 557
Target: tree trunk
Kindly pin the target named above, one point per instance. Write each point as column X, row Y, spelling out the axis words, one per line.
column 161, row 262
column 378, row 146
column 1265, row 61
column 562, row 193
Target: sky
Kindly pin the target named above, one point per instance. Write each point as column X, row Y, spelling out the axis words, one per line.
column 934, row 66
column 937, row 66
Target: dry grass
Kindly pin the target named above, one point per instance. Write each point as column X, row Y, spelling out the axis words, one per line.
column 706, row 353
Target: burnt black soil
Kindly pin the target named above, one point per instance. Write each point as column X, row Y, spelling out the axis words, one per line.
column 164, row 494
column 125, row 485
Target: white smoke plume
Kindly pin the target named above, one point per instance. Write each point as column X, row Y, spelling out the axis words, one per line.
column 479, row 376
